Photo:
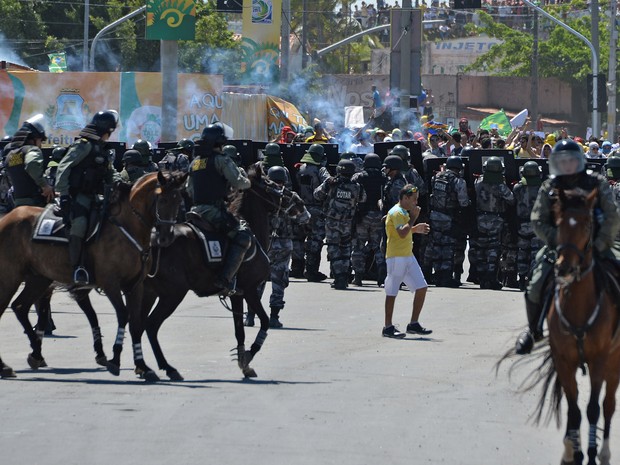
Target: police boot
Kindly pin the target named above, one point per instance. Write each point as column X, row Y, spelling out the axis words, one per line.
column 444, row 279
column 313, row 274
column 457, row 278
column 341, row 282
column 297, row 268
column 274, row 318
column 492, row 282
column 233, row 260
column 357, row 279
column 523, row 283
column 525, row 341
column 80, row 275
column 249, row 319
column 511, row 280
column 473, row 277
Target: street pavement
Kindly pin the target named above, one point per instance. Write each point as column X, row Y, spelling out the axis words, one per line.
column 330, row 389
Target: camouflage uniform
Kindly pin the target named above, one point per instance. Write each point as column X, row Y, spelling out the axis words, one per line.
column 174, row 160
column 491, row 201
column 341, row 197
column 528, row 243
column 449, row 195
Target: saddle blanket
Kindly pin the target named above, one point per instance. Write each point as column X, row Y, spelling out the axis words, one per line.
column 49, row 227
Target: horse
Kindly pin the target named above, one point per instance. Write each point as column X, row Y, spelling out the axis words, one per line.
column 583, row 323
column 181, row 268
column 119, row 259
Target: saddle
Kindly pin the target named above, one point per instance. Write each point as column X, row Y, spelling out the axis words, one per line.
column 49, row 226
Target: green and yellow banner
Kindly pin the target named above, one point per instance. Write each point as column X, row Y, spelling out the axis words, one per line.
column 170, row 20
column 58, row 62
column 261, row 39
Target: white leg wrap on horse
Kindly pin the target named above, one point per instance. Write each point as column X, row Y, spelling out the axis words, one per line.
column 137, row 351
column 592, row 437
column 568, row 451
column 605, row 454
column 120, row 335
column 40, row 334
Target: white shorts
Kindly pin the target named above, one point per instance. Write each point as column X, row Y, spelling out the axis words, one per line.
column 403, row 270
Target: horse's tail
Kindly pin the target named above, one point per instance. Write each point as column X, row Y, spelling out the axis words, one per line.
column 543, row 375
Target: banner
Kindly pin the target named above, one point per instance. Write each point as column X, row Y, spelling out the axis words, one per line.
column 281, row 113
column 58, row 62
column 170, row 20
column 261, row 40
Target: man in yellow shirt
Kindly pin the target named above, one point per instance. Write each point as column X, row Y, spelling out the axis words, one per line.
column 402, row 266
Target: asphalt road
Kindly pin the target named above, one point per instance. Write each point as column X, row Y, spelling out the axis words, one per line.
column 329, row 390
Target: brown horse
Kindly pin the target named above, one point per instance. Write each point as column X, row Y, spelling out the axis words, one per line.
column 119, row 259
column 180, row 268
column 583, row 324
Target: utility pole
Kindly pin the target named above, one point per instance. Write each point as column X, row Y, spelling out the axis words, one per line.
column 534, row 88
column 304, row 34
column 595, row 43
column 169, row 53
column 85, row 48
column 285, row 44
column 611, row 79
column 405, row 67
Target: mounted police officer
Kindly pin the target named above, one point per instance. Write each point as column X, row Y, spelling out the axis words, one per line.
column 145, row 149
column 25, row 165
column 449, row 196
column 492, row 197
column 525, row 192
column 368, row 226
column 312, row 173
column 212, row 175
column 133, row 168
column 82, row 174
column 340, row 195
column 567, row 171
column 178, row 158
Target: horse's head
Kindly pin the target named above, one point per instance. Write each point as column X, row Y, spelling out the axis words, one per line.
column 573, row 214
column 164, row 190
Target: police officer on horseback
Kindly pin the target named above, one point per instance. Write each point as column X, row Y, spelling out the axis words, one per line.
column 82, row 175
column 567, row 171
column 25, row 165
column 212, row 175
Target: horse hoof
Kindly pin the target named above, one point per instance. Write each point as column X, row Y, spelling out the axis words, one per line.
column 113, row 368
column 101, row 360
column 174, row 375
column 147, row 375
column 7, row 372
column 36, row 363
column 249, row 372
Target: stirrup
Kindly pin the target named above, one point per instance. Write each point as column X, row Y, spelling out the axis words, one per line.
column 80, row 276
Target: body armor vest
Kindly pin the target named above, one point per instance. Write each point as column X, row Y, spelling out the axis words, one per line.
column 488, row 199
column 88, row 176
column 23, row 185
column 308, row 179
column 209, row 185
column 372, row 181
column 444, row 198
column 343, row 199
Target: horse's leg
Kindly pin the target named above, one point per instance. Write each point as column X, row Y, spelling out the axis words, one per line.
column 8, row 289
column 594, row 409
column 45, row 324
column 116, row 299
column 253, row 301
column 83, row 301
column 165, row 307
column 136, row 329
column 34, row 288
column 572, row 439
column 609, row 407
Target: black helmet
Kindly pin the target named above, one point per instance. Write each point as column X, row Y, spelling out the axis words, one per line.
column 345, row 168
column 144, row 148
column 530, row 169
column 402, row 152
column 493, row 165
column 105, row 122
column 58, row 153
column 347, row 155
column 230, row 150
column 372, row 160
column 393, row 162
column 186, row 144
column 563, row 151
column 277, row 174
column 133, row 157
column 454, row 163
column 613, row 162
column 272, row 149
column 34, row 125
column 316, row 150
column 213, row 135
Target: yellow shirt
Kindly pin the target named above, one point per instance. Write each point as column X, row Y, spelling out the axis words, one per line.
column 398, row 246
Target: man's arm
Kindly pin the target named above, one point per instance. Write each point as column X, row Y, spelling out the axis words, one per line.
column 541, row 217
column 34, row 164
column 235, row 177
column 76, row 153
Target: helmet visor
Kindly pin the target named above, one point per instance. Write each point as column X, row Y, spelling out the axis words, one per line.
column 566, row 164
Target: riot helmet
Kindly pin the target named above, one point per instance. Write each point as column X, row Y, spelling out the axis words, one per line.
column 393, row 162
column 454, row 163
column 530, row 169
column 105, row 122
column 372, row 160
column 213, row 136
column 347, row 155
column 314, row 155
column 566, row 159
column 493, row 165
column 58, row 153
column 402, row 152
column 34, row 125
column 144, row 148
column 612, row 167
column 345, row 168
column 272, row 149
column 230, row 150
column 186, row 145
column 132, row 157
column 277, row 174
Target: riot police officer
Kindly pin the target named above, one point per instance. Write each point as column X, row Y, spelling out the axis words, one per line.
column 82, row 174
column 133, row 167
column 51, row 170
column 25, row 165
column 212, row 175
column 145, row 149
column 231, row 152
column 178, row 158
column 273, row 157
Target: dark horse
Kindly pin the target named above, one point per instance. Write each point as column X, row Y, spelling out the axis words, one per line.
column 181, row 268
column 583, row 324
column 119, row 258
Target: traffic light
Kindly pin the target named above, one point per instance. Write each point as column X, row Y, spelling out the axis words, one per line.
column 467, row 4
column 601, row 93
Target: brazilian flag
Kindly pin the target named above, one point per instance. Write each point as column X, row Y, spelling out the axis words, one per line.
column 499, row 121
column 58, row 62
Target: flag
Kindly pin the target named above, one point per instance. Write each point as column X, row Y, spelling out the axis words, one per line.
column 500, row 119
column 433, row 127
column 58, row 62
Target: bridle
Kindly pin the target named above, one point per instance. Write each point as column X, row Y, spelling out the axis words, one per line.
column 581, row 270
